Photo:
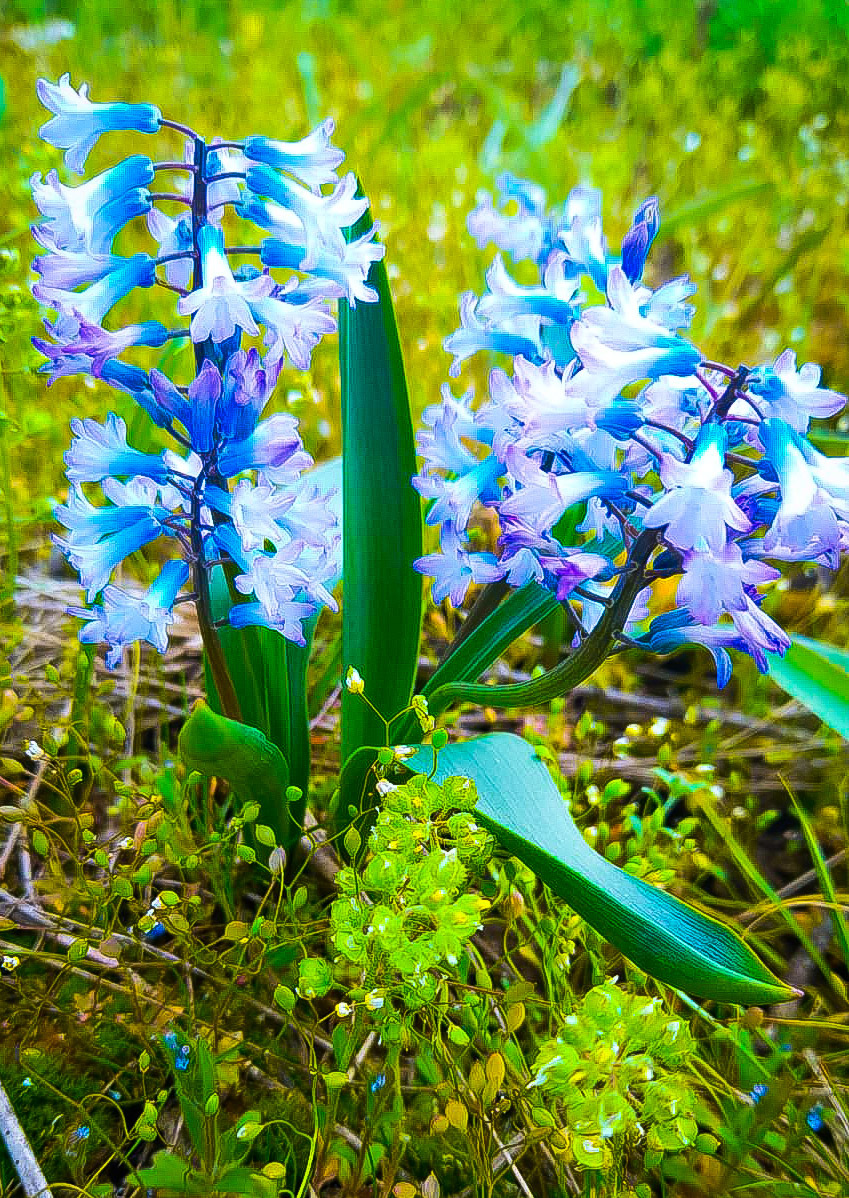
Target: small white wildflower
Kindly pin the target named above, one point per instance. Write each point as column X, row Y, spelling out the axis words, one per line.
column 34, row 751
column 374, row 1000
column 353, row 681
column 343, row 1009
column 10, row 963
column 659, row 727
column 277, row 860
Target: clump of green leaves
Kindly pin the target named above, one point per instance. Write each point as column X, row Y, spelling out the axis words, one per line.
column 618, row 1072
column 407, row 910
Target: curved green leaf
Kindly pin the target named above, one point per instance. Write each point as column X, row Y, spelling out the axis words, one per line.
column 245, row 758
column 818, row 676
column 382, row 525
column 520, row 804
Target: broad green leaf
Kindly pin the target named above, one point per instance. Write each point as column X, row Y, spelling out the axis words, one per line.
column 818, row 676
column 520, row 804
column 382, row 527
column 245, row 758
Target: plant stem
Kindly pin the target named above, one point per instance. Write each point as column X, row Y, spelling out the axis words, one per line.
column 575, row 668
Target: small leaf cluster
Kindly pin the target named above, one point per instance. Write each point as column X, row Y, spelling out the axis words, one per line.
column 409, row 910
column 618, row 1071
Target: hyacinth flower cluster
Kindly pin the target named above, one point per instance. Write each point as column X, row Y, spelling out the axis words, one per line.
column 235, row 489
column 677, row 467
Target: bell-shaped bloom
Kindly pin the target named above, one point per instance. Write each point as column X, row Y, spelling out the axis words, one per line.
column 274, row 447
column 100, row 345
column 86, row 218
column 790, row 395
column 542, row 498
column 249, row 381
column 348, row 266
column 221, row 305
column 455, row 568
column 313, row 160
column 290, row 328
column 540, row 399
column 205, row 391
column 806, row 525
column 99, row 298
column 77, row 123
column 676, row 629
column 697, row 507
column 323, row 217
column 67, row 269
column 475, row 334
column 507, row 300
column 581, row 235
column 263, row 512
column 456, row 497
column 127, row 616
column 95, row 561
column 714, row 583
column 568, row 570
column 523, row 235
column 101, row 451
column 619, row 345
column 440, row 442
column 174, row 236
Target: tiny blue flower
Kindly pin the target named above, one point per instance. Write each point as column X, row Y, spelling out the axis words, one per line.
column 322, row 217
column 814, row 1118
column 697, row 508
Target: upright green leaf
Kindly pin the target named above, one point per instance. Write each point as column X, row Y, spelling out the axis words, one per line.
column 382, row 533
column 817, row 675
column 675, row 943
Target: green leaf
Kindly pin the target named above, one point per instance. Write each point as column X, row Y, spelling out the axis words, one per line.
column 244, row 757
column 841, row 931
column 382, row 527
column 817, row 675
column 520, row 804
